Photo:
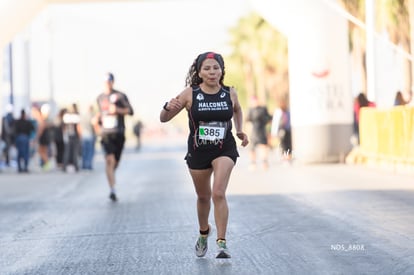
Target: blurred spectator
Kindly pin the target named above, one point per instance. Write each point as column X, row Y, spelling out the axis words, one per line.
column 7, row 133
column 71, row 137
column 33, row 135
column 137, row 132
column 359, row 102
column 399, row 99
column 274, row 128
column 44, row 136
column 23, row 130
column 88, row 138
column 58, row 137
column 284, row 131
column 258, row 115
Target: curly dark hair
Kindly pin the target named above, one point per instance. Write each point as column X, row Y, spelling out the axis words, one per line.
column 192, row 78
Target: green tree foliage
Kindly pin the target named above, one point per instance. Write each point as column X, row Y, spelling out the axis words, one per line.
column 357, row 38
column 393, row 17
column 395, row 20
column 260, row 56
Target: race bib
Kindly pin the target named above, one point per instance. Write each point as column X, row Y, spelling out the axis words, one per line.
column 212, row 130
column 109, row 122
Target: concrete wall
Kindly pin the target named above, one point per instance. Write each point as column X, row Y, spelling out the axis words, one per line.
column 319, row 77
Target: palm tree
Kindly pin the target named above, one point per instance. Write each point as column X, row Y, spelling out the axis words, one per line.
column 396, row 21
column 357, row 38
column 261, row 52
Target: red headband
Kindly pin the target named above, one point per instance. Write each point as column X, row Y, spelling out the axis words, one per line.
column 210, row 55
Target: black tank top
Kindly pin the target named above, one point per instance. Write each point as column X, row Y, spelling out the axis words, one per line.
column 210, row 119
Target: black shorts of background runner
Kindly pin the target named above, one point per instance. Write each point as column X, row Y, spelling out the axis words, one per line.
column 113, row 143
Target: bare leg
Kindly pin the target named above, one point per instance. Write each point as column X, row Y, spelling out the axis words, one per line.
column 201, row 180
column 222, row 167
column 43, row 153
column 252, row 154
column 264, row 151
column 253, row 157
column 111, row 165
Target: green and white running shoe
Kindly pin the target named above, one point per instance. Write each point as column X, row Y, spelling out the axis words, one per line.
column 222, row 251
column 202, row 243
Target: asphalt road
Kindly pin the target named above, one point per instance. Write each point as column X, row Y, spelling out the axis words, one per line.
column 290, row 219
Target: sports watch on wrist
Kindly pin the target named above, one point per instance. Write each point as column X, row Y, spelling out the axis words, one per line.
column 165, row 107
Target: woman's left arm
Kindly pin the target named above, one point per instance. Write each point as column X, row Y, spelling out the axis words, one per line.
column 238, row 118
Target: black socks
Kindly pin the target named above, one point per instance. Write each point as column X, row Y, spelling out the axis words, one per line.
column 205, row 232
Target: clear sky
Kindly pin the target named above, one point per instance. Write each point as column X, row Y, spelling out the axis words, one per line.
column 148, row 45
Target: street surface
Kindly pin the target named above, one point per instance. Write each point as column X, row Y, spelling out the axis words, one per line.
column 290, row 219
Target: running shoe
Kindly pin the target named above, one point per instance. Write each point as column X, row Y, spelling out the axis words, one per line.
column 202, row 243
column 113, row 197
column 47, row 166
column 222, row 251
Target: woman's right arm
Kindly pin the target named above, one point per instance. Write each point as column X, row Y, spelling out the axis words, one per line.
column 175, row 105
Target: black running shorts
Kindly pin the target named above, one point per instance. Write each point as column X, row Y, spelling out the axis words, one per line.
column 201, row 159
column 113, row 144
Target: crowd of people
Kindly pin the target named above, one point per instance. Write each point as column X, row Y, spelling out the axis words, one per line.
column 68, row 139
column 269, row 132
column 62, row 141
column 361, row 101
